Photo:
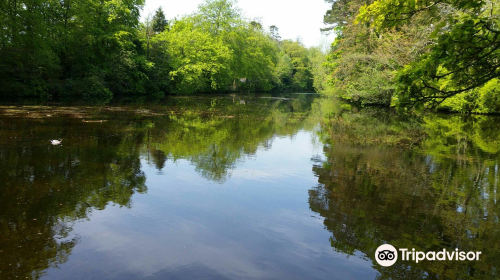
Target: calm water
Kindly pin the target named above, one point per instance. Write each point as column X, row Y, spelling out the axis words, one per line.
column 240, row 187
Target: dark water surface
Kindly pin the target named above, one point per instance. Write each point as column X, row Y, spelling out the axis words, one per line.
column 238, row 187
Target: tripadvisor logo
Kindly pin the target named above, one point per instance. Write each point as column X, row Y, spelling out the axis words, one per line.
column 387, row 255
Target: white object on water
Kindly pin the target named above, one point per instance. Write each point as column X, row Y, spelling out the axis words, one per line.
column 55, row 142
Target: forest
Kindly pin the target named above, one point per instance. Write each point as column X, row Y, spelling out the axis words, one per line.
column 100, row 49
column 442, row 54
column 408, row 54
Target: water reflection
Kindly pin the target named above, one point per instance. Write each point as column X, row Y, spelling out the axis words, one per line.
column 46, row 189
column 428, row 184
column 214, row 134
column 224, row 181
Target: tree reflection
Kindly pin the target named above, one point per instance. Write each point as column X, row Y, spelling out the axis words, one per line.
column 46, row 188
column 427, row 184
column 215, row 137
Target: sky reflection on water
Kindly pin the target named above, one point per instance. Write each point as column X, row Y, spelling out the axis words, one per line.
column 208, row 188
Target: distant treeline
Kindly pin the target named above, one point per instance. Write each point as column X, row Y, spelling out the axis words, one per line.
column 433, row 53
column 97, row 49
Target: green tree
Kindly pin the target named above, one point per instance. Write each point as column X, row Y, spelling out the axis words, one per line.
column 215, row 49
column 198, row 60
column 302, row 79
column 463, row 50
column 71, row 48
column 317, row 60
column 218, row 16
column 363, row 63
column 160, row 23
column 97, row 49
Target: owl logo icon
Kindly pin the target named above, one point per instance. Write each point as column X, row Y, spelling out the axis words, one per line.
column 386, row 255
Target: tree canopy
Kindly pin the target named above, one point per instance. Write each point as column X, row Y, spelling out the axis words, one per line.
column 100, row 49
column 424, row 52
column 160, row 23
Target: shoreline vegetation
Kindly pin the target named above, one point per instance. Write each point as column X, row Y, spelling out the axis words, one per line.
column 437, row 54
column 412, row 55
column 99, row 50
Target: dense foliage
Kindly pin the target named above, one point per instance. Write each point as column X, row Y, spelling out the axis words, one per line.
column 97, row 49
column 441, row 53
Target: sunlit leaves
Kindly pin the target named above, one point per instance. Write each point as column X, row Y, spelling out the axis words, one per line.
column 198, row 60
column 465, row 43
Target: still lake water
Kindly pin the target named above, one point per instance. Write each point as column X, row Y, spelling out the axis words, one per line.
column 242, row 187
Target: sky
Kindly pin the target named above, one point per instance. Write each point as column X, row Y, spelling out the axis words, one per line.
column 294, row 18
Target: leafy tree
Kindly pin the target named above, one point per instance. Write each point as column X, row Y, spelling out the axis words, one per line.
column 415, row 53
column 254, row 58
column 301, row 65
column 464, row 51
column 317, row 60
column 215, row 49
column 283, row 72
column 363, row 63
column 255, row 24
column 198, row 60
column 219, row 15
column 97, row 49
column 60, row 47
